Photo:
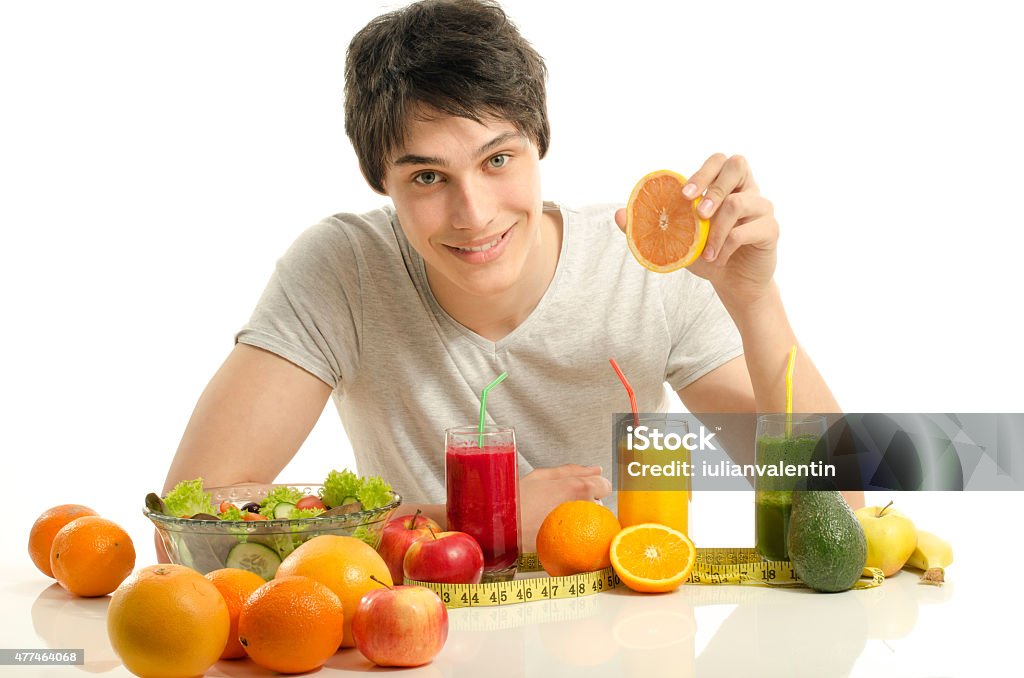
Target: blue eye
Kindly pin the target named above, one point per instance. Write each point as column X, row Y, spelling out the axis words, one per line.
column 498, row 161
column 426, row 178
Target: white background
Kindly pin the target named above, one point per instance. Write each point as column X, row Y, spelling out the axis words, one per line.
column 155, row 160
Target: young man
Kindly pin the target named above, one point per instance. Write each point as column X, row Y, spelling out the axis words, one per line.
column 404, row 314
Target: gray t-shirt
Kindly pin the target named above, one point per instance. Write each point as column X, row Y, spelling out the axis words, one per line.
column 350, row 303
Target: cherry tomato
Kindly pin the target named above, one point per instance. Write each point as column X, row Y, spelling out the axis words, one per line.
column 224, row 506
column 250, row 517
column 309, row 502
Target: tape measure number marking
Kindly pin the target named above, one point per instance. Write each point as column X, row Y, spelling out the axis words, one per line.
column 523, row 590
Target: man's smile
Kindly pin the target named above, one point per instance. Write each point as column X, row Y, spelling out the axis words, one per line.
column 482, row 250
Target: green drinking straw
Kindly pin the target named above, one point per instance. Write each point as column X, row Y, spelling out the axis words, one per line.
column 483, row 405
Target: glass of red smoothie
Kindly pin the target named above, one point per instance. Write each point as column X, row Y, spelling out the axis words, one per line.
column 482, row 480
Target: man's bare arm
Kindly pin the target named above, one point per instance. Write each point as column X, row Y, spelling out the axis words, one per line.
column 729, row 389
column 249, row 422
column 725, row 390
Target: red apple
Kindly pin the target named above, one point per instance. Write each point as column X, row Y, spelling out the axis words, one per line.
column 446, row 558
column 400, row 626
column 399, row 534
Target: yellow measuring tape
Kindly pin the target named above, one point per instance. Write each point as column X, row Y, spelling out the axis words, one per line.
column 742, row 566
column 745, row 567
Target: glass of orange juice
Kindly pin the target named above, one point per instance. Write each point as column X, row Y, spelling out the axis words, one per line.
column 646, row 499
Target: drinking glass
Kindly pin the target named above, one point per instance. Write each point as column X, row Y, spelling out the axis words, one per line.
column 482, row 480
column 790, row 439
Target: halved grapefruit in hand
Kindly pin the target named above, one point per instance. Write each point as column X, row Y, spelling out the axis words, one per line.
column 662, row 227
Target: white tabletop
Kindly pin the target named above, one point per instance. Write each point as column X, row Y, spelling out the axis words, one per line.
column 898, row 629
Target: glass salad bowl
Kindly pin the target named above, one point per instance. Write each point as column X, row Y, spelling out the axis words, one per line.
column 259, row 545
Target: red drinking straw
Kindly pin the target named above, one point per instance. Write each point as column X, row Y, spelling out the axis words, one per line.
column 629, row 390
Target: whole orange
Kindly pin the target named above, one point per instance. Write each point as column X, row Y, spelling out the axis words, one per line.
column 291, row 624
column 40, row 538
column 344, row 565
column 167, row 621
column 575, row 537
column 91, row 556
column 236, row 585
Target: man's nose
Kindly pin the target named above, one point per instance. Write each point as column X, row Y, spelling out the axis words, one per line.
column 473, row 207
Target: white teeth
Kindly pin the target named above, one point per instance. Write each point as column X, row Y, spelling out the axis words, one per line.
column 482, row 248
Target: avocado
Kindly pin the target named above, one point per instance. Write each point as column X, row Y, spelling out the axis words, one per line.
column 826, row 542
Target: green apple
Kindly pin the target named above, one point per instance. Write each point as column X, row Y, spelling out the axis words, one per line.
column 891, row 537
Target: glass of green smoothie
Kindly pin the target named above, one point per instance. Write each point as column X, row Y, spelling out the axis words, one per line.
column 782, row 440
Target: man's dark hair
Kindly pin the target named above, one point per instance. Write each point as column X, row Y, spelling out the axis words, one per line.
column 462, row 58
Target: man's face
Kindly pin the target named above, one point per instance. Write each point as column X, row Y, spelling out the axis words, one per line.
column 468, row 198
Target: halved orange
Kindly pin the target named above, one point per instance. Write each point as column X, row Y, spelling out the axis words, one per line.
column 652, row 558
column 662, row 227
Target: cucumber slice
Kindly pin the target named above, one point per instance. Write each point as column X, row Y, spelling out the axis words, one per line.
column 284, row 509
column 255, row 558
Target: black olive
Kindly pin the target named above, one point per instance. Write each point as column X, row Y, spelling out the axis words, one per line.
column 251, row 507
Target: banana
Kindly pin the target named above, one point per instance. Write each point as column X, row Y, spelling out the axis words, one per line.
column 931, row 555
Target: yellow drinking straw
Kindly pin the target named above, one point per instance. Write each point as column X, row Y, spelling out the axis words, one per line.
column 789, row 391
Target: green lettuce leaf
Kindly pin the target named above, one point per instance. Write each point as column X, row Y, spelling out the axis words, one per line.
column 188, row 498
column 339, row 487
column 374, row 493
column 233, row 513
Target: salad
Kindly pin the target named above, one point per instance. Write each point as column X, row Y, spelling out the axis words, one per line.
column 342, row 492
column 257, row 536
